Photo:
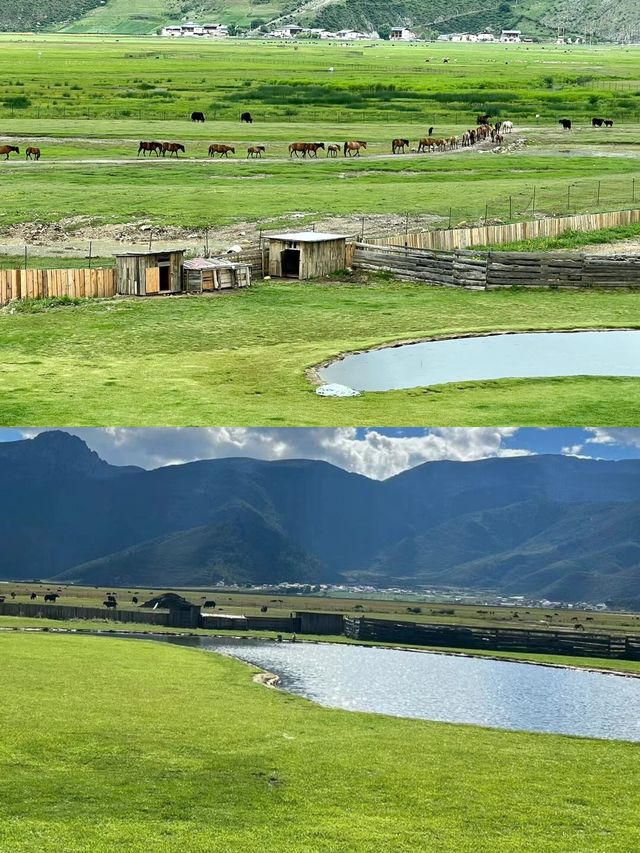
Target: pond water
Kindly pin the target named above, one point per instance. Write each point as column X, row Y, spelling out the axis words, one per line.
column 446, row 688
column 527, row 355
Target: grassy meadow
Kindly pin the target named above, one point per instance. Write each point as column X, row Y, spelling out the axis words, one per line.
column 241, row 358
column 154, row 754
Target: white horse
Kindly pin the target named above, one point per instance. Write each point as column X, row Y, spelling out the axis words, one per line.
column 507, row 126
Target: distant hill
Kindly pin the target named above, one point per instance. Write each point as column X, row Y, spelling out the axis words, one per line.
column 608, row 19
column 547, row 526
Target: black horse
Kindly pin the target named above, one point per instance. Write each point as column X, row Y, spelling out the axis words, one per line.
column 197, row 117
column 247, row 117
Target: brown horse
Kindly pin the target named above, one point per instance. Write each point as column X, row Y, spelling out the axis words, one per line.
column 172, row 148
column 256, row 151
column 332, row 150
column 297, row 147
column 221, row 149
column 7, row 149
column 312, row 148
column 353, row 145
column 398, row 145
column 151, row 147
column 32, row 153
column 425, row 144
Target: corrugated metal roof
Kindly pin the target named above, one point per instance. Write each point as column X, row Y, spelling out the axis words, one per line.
column 143, row 252
column 307, row 236
column 211, row 264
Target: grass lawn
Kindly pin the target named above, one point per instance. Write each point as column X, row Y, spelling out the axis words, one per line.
column 240, row 359
column 109, row 745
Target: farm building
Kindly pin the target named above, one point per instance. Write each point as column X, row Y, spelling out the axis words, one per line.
column 306, row 254
column 203, row 275
column 146, row 273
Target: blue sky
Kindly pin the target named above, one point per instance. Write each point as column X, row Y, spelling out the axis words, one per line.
column 377, row 453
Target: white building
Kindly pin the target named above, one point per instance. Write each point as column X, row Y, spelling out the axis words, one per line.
column 354, row 35
column 510, row 36
column 193, row 30
column 402, row 34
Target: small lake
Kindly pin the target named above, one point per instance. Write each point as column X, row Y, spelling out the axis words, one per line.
column 446, row 688
column 526, row 355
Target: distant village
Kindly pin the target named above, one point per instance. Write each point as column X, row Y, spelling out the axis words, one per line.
column 398, row 34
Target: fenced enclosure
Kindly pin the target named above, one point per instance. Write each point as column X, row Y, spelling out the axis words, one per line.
column 43, row 284
column 570, row 642
column 487, row 235
column 492, row 270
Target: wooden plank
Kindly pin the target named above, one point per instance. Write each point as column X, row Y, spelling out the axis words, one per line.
column 152, row 280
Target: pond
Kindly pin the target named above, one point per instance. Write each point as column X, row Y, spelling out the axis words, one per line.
column 446, row 688
column 500, row 356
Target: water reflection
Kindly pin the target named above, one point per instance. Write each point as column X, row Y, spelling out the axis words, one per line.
column 536, row 354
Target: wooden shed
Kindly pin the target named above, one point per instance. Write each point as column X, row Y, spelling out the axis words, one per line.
column 204, row 275
column 147, row 273
column 306, row 254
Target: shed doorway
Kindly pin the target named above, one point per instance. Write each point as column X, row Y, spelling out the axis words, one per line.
column 165, row 282
column 290, row 263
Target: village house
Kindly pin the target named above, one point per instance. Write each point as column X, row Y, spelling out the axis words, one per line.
column 511, row 36
column 193, row 30
column 402, row 34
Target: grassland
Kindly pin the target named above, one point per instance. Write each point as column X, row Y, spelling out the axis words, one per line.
column 155, row 755
column 240, row 359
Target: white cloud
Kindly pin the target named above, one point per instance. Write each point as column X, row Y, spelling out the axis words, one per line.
column 374, row 453
column 625, row 436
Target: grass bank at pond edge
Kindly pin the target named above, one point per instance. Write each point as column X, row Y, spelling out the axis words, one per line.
column 240, row 358
column 172, row 750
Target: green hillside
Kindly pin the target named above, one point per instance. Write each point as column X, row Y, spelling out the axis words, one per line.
column 616, row 20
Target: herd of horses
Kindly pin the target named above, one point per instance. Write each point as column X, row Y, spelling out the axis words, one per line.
column 31, row 152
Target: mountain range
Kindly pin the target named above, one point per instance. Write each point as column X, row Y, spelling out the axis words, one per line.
column 545, row 526
column 615, row 20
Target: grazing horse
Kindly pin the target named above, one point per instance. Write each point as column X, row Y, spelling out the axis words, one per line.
column 221, row 150
column 197, row 117
column 354, row 145
column 297, row 147
column 312, row 148
column 7, row 149
column 32, row 153
column 332, row 150
column 608, row 122
column 398, row 145
column 507, row 127
column 566, row 123
column 483, row 119
column 172, row 148
column 255, row 151
column 247, row 118
column 151, row 147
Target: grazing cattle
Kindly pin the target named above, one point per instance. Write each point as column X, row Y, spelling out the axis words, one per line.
column 353, row 145
column 263, row 609
column 297, row 147
column 220, row 149
column 430, row 132
column 33, row 596
column 333, row 150
column 313, row 147
column 13, row 595
column 134, row 599
column 578, row 627
column 150, row 147
column 110, row 602
column 32, row 153
column 246, row 117
column 209, row 604
column 507, row 126
column 197, row 117
column 608, row 122
column 8, row 149
column 256, row 151
column 172, row 148
column 565, row 123
column 398, row 145
column 597, row 122
column 51, row 596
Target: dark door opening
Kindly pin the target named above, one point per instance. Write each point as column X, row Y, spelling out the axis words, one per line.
column 165, row 282
column 290, row 260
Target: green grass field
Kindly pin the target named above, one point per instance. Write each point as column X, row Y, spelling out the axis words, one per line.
column 240, row 358
column 154, row 755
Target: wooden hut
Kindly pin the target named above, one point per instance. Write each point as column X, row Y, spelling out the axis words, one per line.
column 307, row 254
column 146, row 273
column 204, row 275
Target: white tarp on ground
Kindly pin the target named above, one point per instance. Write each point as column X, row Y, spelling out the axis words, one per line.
column 335, row 390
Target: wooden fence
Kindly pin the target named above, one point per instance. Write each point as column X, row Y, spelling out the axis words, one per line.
column 491, row 270
column 40, row 284
column 570, row 642
column 487, row 235
column 33, row 610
